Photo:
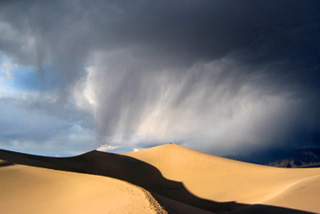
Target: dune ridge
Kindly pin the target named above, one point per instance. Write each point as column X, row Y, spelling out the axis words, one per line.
column 220, row 179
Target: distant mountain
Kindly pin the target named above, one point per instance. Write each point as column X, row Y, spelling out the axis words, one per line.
column 302, row 158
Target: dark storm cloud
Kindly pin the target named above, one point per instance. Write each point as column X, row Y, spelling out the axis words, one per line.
column 202, row 29
column 197, row 72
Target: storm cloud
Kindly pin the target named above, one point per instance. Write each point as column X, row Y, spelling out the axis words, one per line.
column 226, row 77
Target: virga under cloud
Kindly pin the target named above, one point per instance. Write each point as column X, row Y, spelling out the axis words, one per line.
column 220, row 76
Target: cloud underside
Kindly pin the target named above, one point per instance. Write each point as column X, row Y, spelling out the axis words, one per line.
column 223, row 77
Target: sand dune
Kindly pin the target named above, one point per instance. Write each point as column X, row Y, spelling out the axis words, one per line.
column 219, row 179
column 180, row 179
column 128, row 169
column 25, row 189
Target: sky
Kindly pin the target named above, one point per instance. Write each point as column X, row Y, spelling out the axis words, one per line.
column 232, row 78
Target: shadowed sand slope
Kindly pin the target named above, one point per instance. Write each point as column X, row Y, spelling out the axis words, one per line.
column 183, row 180
column 27, row 189
column 220, row 179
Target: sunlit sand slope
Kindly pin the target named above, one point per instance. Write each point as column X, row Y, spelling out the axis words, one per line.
column 220, row 179
column 25, row 189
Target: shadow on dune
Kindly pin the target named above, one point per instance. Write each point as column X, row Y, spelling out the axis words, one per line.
column 141, row 174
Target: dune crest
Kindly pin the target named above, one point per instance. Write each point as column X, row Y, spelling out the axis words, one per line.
column 220, row 179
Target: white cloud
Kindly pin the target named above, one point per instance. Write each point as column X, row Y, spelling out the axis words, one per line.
column 137, row 149
column 7, row 67
column 83, row 92
column 107, row 148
